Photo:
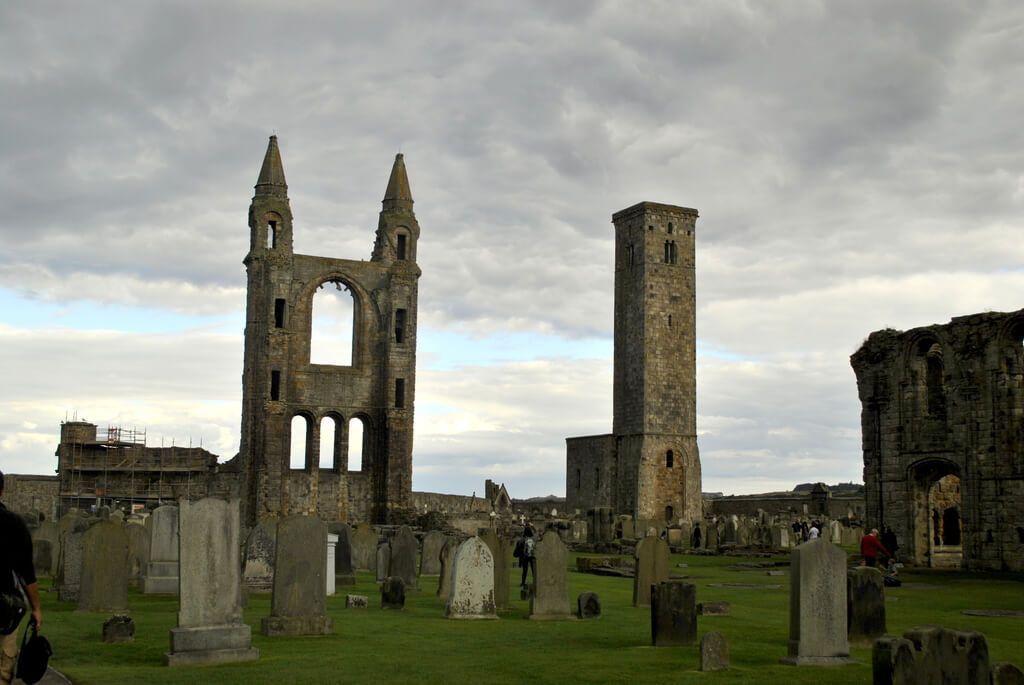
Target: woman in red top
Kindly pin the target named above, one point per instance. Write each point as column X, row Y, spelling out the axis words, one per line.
column 871, row 547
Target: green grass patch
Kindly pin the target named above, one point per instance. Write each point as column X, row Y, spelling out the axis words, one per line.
column 419, row 645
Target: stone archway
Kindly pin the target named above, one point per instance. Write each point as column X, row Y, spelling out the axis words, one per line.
column 935, row 514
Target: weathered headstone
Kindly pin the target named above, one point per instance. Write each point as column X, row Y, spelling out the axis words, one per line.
column 260, row 549
column 892, row 662
column 404, row 548
column 430, row 559
column 344, row 570
column 472, row 593
column 71, row 566
column 383, row 561
column 588, row 605
column 210, row 624
column 502, row 553
column 138, row 553
column 48, row 532
column 673, row 613
column 332, row 543
column 364, row 547
column 118, row 628
column 392, row 593
column 865, row 604
column 104, row 583
column 298, row 603
column 731, row 530
column 713, row 608
column 652, row 567
column 356, row 601
column 444, row 581
column 551, row 596
column 42, row 556
column 817, row 605
column 931, row 654
column 714, row 652
column 162, row 570
column 1005, row 673
column 711, row 537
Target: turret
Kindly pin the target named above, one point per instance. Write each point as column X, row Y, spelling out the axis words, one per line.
column 397, row 229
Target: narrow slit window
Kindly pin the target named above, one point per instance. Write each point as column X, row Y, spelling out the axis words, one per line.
column 402, row 239
column 597, row 479
column 670, row 228
column 579, row 480
column 400, row 315
column 275, row 385
column 271, row 234
column 399, row 393
column 279, row 313
column 669, row 459
column 668, row 252
column 670, row 321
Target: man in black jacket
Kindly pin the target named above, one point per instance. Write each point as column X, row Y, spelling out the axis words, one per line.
column 15, row 559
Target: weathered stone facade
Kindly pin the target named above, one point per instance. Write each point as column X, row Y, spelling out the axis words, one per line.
column 28, row 493
column 279, row 382
column 943, row 436
column 649, row 465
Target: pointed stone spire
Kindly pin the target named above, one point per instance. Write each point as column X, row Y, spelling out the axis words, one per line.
column 271, row 180
column 398, row 196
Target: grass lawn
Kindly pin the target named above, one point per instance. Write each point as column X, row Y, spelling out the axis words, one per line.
column 418, row 645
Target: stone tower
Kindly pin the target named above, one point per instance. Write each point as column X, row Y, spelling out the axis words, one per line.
column 279, row 383
column 649, row 466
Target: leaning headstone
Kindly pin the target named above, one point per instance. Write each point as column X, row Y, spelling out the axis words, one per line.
column 865, row 604
column 260, row 549
column 364, row 547
column 104, row 584
column 652, row 567
column 344, row 571
column 356, row 601
column 673, row 614
column 383, row 561
column 138, row 553
column 588, row 605
column 210, row 623
column 714, row 652
column 162, row 570
column 502, row 553
column 404, row 548
column 298, row 602
column 71, row 566
column 551, row 596
column 817, row 605
column 444, row 582
column 392, row 593
column 430, row 559
column 118, row 628
column 472, row 593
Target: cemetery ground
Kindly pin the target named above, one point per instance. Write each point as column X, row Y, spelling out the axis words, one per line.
column 419, row 645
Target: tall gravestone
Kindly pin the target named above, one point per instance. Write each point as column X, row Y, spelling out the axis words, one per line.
column 404, row 549
column 344, row 571
column 444, row 582
column 364, row 547
column 162, row 570
column 711, row 536
column 104, row 583
column 210, row 624
column 71, row 566
column 472, row 583
column 817, row 605
column 260, row 550
column 865, row 604
column 47, row 534
column 551, row 596
column 138, row 553
column 430, row 559
column 502, row 553
column 652, row 567
column 383, row 561
column 298, row 605
column 673, row 613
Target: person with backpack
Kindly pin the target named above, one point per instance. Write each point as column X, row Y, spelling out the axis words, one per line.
column 17, row 581
column 528, row 555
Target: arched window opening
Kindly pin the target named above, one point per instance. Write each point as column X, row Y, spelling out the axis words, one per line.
column 670, row 228
column 300, row 443
column 669, row 513
column 271, row 235
column 357, row 439
column 936, row 392
column 951, row 526
column 400, row 315
column 330, row 442
column 402, row 245
column 333, row 331
column 669, row 459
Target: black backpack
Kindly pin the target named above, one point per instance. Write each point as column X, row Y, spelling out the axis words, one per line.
column 34, row 655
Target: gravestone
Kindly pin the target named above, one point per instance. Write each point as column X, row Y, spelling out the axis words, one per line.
column 713, row 608
column 210, row 623
column 357, row 601
column 865, row 604
column 550, row 598
column 298, row 603
column 138, row 553
column 731, row 530
column 628, row 528
column 502, row 553
column 588, row 605
column 71, row 566
column 118, row 628
column 404, row 549
column 714, row 652
column 674, row 537
column 383, row 560
column 711, row 537
column 430, row 559
column 344, row 570
column 1005, row 673
column 392, row 593
column 104, row 582
column 364, row 548
column 817, row 605
column 444, row 582
column 332, row 543
column 652, row 567
column 260, row 549
column 42, row 556
column 162, row 570
column 931, row 654
column 673, row 614
column 48, row 532
column 472, row 583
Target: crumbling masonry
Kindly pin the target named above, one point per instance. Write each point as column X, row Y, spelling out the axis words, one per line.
column 942, row 417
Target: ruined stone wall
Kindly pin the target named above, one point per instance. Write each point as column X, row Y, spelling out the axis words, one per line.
column 590, row 469
column 940, row 400
column 788, row 504
column 449, row 504
column 25, row 493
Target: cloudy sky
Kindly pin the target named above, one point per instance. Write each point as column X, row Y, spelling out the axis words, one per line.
column 856, row 165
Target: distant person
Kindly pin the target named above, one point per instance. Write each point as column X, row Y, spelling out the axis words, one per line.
column 871, row 548
column 695, row 538
column 889, row 540
column 528, row 560
column 891, row 573
column 813, row 532
column 17, row 575
column 797, row 530
column 805, row 530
